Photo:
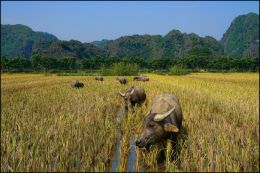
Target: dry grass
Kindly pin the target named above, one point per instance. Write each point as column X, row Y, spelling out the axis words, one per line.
column 48, row 126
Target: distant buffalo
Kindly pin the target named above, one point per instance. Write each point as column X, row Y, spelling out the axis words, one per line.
column 77, row 84
column 121, row 80
column 163, row 121
column 99, row 78
column 134, row 95
column 141, row 78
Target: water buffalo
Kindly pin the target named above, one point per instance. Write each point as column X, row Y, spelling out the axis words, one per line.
column 99, row 78
column 163, row 121
column 141, row 78
column 134, row 95
column 77, row 84
column 121, row 80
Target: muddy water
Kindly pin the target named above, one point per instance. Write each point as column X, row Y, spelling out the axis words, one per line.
column 131, row 162
column 116, row 157
column 132, row 155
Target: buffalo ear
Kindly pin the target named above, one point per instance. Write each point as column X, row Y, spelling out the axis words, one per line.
column 170, row 128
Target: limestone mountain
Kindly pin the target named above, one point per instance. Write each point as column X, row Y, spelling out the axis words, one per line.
column 70, row 48
column 173, row 44
column 242, row 37
column 177, row 44
column 145, row 46
column 240, row 40
column 18, row 40
column 101, row 43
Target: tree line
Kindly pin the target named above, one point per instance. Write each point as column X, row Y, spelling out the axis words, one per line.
column 192, row 62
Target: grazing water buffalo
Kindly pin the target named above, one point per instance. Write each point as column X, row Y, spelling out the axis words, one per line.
column 134, row 95
column 163, row 121
column 141, row 78
column 121, row 80
column 77, row 84
column 99, row 78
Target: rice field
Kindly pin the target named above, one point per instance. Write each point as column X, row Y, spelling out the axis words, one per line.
column 48, row 126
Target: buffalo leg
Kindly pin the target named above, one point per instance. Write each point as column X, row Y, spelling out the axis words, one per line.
column 161, row 157
column 132, row 106
column 175, row 149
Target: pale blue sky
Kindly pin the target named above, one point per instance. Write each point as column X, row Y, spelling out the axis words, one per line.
column 89, row 21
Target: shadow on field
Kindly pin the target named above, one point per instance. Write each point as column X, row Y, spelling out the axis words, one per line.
column 181, row 138
column 176, row 144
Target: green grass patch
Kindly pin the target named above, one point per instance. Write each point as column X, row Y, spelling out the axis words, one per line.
column 120, row 69
column 77, row 74
column 178, row 70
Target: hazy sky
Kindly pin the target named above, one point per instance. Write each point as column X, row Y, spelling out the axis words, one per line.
column 89, row 21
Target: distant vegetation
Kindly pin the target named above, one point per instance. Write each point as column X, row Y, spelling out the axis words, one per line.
column 110, row 65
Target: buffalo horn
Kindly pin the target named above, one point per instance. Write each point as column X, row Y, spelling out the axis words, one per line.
column 132, row 91
column 160, row 117
column 122, row 94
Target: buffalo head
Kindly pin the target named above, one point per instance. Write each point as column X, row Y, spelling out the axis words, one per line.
column 155, row 128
